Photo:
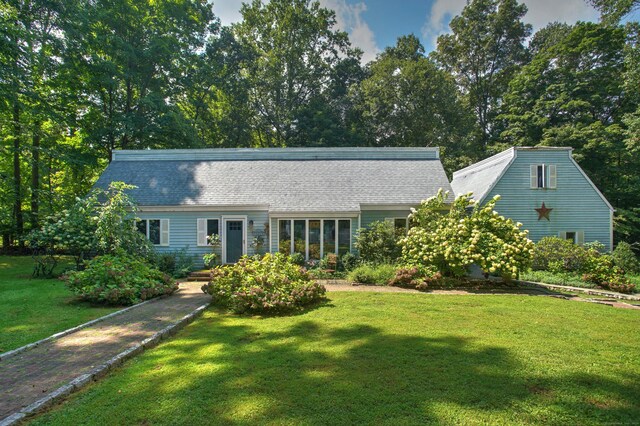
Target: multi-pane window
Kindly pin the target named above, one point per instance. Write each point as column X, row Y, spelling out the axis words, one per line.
column 206, row 228
column 543, row 176
column 156, row 230
column 314, row 238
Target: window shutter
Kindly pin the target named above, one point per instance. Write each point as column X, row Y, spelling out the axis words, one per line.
column 202, row 232
column 534, row 176
column 562, row 235
column 164, row 232
column 552, row 176
column 580, row 237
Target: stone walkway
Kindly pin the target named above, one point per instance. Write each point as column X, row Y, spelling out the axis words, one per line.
column 31, row 375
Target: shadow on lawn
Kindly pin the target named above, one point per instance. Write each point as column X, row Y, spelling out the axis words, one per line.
column 360, row 375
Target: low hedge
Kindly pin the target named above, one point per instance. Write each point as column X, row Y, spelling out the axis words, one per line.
column 119, row 280
column 372, row 274
column 272, row 283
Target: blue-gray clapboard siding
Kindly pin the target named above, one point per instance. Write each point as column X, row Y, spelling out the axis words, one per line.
column 370, row 216
column 183, row 230
column 575, row 203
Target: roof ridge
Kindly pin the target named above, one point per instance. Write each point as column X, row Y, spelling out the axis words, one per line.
column 487, row 162
column 251, row 154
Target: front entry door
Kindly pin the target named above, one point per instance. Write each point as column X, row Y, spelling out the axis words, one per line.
column 234, row 243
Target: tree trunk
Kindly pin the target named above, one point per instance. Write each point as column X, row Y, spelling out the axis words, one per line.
column 17, row 206
column 35, row 177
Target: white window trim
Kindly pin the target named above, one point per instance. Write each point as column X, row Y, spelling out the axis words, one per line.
column 223, row 238
column 205, row 230
column 393, row 220
column 167, row 221
column 322, row 253
column 579, row 236
column 549, row 179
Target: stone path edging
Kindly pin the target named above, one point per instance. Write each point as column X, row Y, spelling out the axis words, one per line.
column 26, row 347
column 99, row 371
column 591, row 291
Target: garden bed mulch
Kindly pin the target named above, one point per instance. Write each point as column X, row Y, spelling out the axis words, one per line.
column 343, row 285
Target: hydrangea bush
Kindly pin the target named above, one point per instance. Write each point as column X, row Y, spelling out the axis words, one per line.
column 119, row 280
column 451, row 239
column 272, row 283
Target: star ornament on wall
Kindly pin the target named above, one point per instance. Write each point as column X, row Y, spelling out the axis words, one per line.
column 543, row 212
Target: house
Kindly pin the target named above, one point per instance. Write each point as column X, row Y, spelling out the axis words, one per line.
column 545, row 189
column 306, row 200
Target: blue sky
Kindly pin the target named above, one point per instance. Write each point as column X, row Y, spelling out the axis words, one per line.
column 374, row 24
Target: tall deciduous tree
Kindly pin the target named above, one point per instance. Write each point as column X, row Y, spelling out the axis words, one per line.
column 483, row 51
column 129, row 56
column 407, row 101
column 573, row 94
column 296, row 54
column 612, row 11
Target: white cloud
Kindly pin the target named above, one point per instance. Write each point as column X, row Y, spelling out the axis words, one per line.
column 540, row 13
column 228, row 11
column 349, row 19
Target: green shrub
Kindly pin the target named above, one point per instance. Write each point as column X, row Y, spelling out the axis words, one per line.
column 119, row 280
column 625, row 259
column 558, row 255
column 378, row 243
column 297, row 259
column 349, row 261
column 272, row 283
column 378, row 274
column 601, row 270
column 177, row 263
column 451, row 239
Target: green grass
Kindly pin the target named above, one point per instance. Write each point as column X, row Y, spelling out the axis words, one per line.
column 368, row 358
column 558, row 278
column 32, row 309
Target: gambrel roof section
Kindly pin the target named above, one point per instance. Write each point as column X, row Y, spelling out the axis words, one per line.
column 480, row 178
column 280, row 179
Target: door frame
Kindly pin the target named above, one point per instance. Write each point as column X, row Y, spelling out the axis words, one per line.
column 226, row 219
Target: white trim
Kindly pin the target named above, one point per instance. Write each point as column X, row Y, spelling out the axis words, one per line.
column 206, row 225
column 611, row 229
column 147, row 227
column 223, row 238
column 393, row 220
column 202, row 208
column 313, row 215
column 387, row 207
column 591, row 183
column 497, row 179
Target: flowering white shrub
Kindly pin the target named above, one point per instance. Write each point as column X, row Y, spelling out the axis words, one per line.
column 452, row 238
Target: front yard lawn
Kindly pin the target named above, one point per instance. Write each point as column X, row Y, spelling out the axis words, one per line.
column 374, row 358
column 32, row 309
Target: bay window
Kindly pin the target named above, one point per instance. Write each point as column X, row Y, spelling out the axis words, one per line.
column 314, row 238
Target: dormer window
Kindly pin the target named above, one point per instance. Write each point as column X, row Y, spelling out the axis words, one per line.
column 543, row 176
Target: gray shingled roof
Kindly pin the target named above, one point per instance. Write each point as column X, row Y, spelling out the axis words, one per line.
column 480, row 177
column 282, row 185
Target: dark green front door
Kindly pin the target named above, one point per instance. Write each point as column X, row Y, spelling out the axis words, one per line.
column 234, row 241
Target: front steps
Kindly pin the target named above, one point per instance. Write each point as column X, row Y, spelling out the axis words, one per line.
column 199, row 276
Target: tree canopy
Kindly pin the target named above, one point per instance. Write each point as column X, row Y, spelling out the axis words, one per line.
column 81, row 78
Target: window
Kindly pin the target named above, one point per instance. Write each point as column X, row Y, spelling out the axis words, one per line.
column 399, row 223
column 156, row 230
column 543, row 176
column 206, row 228
column 576, row 237
column 314, row 238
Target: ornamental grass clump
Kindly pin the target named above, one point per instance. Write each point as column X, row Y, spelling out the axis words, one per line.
column 272, row 283
column 451, row 239
column 119, row 280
